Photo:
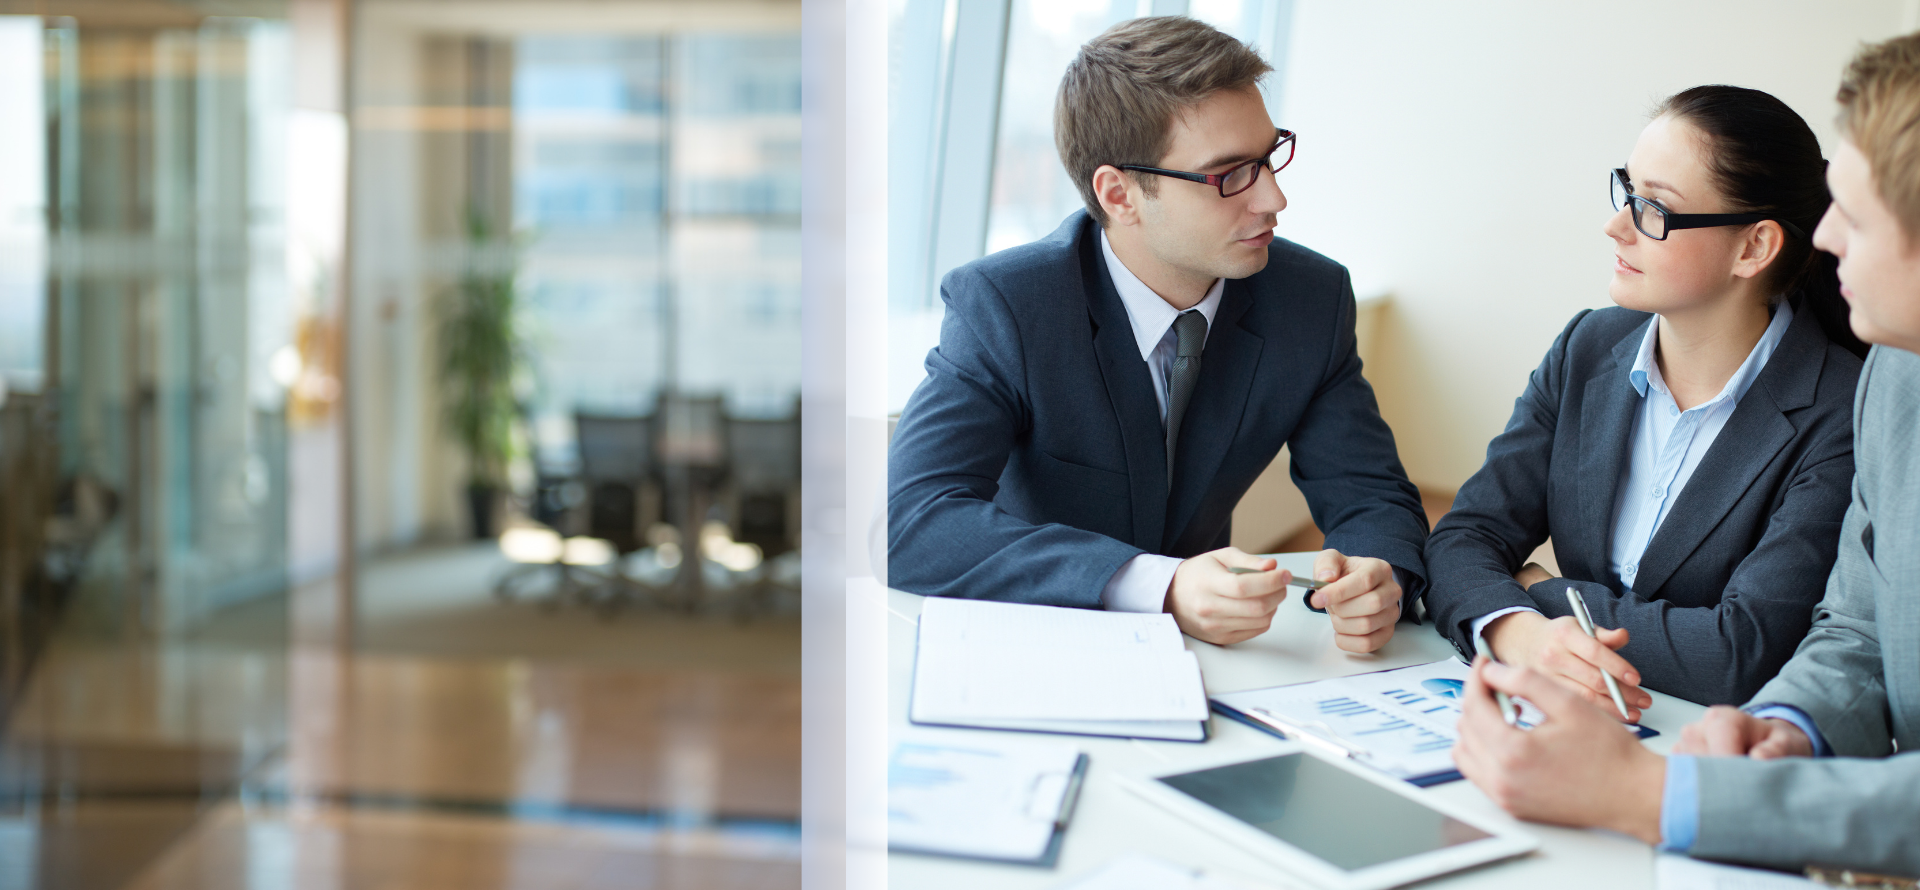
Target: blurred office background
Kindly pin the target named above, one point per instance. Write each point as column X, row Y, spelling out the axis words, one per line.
column 1452, row 155
column 399, row 447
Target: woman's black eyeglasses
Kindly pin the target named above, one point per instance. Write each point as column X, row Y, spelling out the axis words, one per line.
column 1240, row 178
column 1656, row 222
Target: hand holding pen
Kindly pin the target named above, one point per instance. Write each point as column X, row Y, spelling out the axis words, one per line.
column 1561, row 649
column 1585, row 618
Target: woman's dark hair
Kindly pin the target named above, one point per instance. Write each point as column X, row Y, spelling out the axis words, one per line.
column 1765, row 159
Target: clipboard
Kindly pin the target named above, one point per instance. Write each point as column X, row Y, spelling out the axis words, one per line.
column 970, row 803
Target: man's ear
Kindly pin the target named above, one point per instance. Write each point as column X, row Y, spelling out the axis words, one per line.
column 1761, row 246
column 1118, row 194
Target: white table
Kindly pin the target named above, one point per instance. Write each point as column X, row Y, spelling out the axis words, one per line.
column 1111, row 822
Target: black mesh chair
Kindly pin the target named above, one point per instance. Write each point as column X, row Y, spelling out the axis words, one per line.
column 763, row 463
column 691, row 452
column 616, row 468
column 557, row 497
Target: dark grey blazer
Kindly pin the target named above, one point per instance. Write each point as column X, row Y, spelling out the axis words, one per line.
column 1727, row 586
column 1031, row 463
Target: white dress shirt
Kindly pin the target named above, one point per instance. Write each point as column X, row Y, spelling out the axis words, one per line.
column 1666, row 448
column 1141, row 584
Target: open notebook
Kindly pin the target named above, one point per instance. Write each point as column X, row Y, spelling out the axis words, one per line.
column 991, row 665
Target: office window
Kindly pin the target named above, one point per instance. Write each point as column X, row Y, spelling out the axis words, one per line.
column 1031, row 191
column 657, row 181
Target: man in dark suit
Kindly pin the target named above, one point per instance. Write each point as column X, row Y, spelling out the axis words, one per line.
column 1101, row 399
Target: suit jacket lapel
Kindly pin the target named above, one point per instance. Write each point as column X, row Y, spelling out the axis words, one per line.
column 1213, row 416
column 1129, row 387
column 1756, row 432
column 1606, row 432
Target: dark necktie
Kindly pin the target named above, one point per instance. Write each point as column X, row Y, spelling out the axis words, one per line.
column 1190, row 333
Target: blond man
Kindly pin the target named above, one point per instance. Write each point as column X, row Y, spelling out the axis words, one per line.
column 1823, row 766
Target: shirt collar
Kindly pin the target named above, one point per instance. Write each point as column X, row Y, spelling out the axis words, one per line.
column 1645, row 371
column 1150, row 315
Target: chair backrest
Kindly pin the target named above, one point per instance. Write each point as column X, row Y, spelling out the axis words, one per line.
column 692, row 431
column 764, row 454
column 613, row 449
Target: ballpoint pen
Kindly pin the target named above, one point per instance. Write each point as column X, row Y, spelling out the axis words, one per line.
column 1325, row 738
column 1585, row 618
column 1292, row 580
column 1508, row 711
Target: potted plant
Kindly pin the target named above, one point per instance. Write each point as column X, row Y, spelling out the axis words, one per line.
column 481, row 353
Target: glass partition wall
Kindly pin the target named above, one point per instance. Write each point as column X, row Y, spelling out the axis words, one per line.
column 147, row 345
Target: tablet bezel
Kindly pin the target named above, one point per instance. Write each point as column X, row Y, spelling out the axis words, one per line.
column 1503, row 841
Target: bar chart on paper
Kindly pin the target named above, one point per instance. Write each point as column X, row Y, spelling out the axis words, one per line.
column 1399, row 721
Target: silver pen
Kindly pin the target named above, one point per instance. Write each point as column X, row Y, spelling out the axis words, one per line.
column 1585, row 618
column 1292, row 580
column 1508, row 710
column 1327, row 741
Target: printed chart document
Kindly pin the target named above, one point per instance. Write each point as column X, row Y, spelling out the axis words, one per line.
column 1399, row 721
column 1001, row 799
column 1049, row 669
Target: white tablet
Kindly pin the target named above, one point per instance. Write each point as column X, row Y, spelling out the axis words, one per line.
column 1330, row 822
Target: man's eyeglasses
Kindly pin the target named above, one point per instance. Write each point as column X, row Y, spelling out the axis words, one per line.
column 1240, row 178
column 1656, row 222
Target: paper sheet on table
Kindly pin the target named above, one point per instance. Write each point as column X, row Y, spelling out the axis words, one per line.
column 1137, row 872
column 1672, row 872
column 1399, row 721
column 1003, row 661
column 979, row 797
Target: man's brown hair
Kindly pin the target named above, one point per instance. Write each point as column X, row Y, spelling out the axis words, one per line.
column 1118, row 99
column 1880, row 113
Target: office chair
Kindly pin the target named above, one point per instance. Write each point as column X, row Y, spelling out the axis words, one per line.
column 556, row 502
column 690, row 451
column 616, row 467
column 764, row 487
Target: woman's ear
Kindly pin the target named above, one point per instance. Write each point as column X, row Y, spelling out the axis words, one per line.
column 1761, row 246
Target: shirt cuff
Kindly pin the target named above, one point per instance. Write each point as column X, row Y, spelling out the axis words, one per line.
column 1680, row 805
column 1798, row 718
column 1141, row 584
column 1480, row 624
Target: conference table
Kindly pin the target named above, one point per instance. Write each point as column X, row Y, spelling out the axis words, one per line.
column 1110, row 822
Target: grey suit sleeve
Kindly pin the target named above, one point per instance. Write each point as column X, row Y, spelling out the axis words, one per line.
column 1500, row 515
column 945, row 535
column 1837, row 676
column 1795, row 812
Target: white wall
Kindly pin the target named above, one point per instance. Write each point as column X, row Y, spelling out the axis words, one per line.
column 1454, row 155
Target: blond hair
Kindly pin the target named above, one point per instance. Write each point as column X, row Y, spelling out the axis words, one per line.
column 1880, row 114
column 1118, row 99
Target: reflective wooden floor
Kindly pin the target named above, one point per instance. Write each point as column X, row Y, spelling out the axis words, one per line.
column 226, row 765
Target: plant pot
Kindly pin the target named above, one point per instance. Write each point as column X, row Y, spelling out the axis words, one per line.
column 480, row 503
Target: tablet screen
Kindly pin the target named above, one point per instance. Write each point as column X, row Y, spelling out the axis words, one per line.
column 1324, row 810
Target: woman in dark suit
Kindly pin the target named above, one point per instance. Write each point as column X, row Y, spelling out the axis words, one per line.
column 1689, row 452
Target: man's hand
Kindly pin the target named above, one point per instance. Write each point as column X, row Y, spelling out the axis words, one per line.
column 1213, row 604
column 1579, row 768
column 1730, row 732
column 1559, row 649
column 1363, row 599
